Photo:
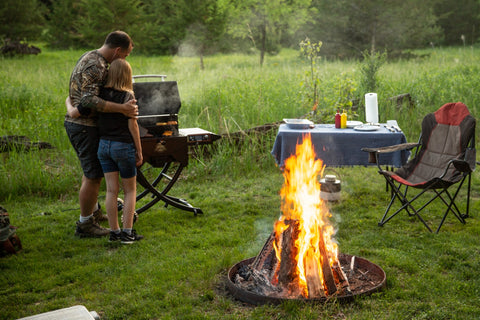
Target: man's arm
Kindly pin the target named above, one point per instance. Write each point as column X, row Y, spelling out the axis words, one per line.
column 90, row 84
column 129, row 108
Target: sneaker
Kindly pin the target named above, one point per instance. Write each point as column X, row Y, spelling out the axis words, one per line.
column 115, row 236
column 98, row 216
column 130, row 238
column 90, row 229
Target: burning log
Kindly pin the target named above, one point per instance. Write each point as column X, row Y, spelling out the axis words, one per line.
column 287, row 273
column 341, row 279
column 329, row 281
column 314, row 283
column 266, row 259
column 321, row 279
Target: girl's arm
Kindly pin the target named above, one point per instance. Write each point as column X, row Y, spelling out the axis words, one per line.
column 71, row 110
column 133, row 127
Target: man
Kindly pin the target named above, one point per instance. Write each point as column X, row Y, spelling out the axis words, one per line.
column 87, row 78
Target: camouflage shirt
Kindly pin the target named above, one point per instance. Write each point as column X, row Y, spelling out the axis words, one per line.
column 88, row 76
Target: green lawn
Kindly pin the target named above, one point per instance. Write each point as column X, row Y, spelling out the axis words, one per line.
column 178, row 271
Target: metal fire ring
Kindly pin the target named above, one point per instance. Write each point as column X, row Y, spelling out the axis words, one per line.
column 257, row 299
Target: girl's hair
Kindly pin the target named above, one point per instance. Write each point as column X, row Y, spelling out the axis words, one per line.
column 120, row 76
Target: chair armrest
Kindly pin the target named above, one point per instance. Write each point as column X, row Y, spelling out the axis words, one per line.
column 374, row 152
column 461, row 165
column 388, row 149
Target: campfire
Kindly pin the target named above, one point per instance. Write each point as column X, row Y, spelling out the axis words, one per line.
column 300, row 259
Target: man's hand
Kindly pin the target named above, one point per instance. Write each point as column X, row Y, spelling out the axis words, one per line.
column 130, row 109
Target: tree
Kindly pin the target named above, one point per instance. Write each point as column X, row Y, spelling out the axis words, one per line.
column 206, row 23
column 348, row 27
column 21, row 19
column 459, row 20
column 100, row 17
column 60, row 32
column 265, row 21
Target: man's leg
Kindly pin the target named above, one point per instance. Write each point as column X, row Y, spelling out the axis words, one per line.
column 88, row 195
column 87, row 225
column 84, row 140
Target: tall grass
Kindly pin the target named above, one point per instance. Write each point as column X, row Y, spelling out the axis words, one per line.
column 232, row 94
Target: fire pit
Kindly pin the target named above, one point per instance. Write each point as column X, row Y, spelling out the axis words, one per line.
column 364, row 278
column 300, row 260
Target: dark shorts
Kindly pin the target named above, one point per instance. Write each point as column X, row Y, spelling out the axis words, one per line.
column 84, row 140
column 117, row 156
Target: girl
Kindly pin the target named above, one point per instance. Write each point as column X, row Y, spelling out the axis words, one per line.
column 119, row 152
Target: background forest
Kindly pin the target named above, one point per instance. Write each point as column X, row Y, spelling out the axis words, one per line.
column 203, row 27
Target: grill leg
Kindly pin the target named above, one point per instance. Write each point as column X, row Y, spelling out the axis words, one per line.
column 162, row 195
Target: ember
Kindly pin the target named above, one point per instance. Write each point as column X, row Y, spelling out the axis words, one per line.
column 300, row 259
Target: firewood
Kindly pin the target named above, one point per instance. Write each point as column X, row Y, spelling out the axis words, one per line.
column 314, row 283
column 287, row 274
column 341, row 279
column 328, row 280
column 266, row 258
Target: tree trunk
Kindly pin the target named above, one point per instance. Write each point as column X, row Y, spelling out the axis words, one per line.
column 263, row 46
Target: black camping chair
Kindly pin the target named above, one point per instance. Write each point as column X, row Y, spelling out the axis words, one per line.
column 443, row 157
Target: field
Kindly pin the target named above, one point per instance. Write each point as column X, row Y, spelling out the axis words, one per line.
column 178, row 271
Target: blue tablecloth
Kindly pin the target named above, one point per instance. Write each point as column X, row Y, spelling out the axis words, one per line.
column 340, row 147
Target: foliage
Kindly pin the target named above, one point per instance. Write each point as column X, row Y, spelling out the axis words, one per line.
column 100, row 17
column 265, row 21
column 21, row 19
column 372, row 62
column 458, row 24
column 207, row 20
column 311, row 51
column 349, row 27
column 61, row 29
column 346, row 28
column 341, row 98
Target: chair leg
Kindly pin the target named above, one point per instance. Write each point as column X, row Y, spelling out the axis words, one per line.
column 467, row 212
column 451, row 206
column 406, row 205
column 394, row 191
column 448, row 200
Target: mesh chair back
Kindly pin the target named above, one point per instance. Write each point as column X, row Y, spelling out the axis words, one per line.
column 446, row 134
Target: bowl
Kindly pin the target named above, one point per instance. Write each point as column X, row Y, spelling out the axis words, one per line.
column 298, row 123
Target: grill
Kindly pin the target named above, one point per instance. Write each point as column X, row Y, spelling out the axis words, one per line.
column 164, row 146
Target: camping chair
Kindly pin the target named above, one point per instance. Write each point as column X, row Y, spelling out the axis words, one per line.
column 443, row 157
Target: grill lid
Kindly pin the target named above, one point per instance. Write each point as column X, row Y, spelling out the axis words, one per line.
column 157, row 98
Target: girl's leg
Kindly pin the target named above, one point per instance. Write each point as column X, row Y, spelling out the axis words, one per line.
column 111, row 180
column 130, row 190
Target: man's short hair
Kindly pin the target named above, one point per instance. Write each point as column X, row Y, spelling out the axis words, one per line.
column 117, row 39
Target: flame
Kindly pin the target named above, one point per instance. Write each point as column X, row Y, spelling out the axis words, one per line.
column 301, row 202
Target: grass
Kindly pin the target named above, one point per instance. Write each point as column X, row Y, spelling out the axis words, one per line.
column 178, row 271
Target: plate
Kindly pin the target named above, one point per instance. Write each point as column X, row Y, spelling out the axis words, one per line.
column 353, row 124
column 366, row 128
column 298, row 123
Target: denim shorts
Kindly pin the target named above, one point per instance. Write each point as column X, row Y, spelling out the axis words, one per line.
column 117, row 156
column 84, row 140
